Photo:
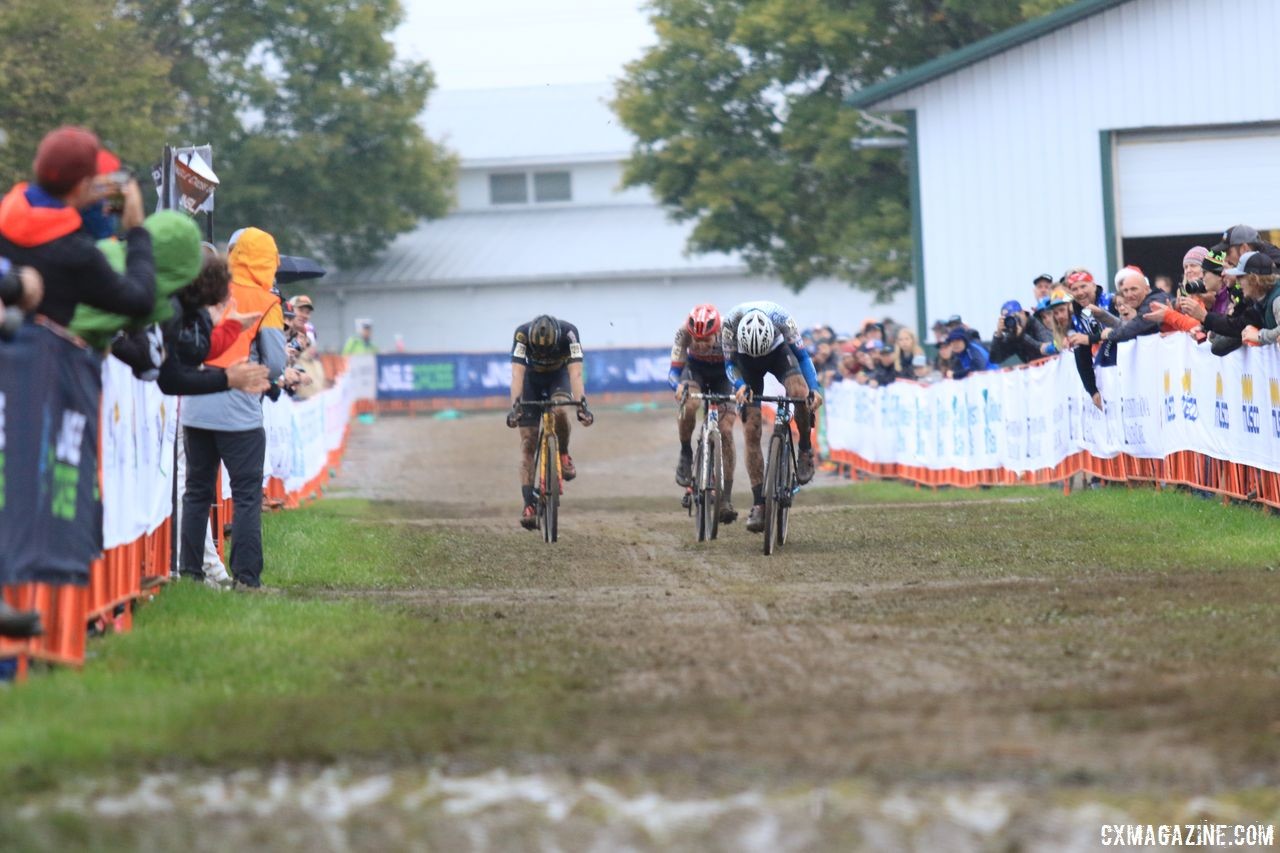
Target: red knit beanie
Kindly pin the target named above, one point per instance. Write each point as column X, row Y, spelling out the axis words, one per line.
column 65, row 157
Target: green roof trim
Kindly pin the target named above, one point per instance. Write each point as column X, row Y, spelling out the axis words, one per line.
column 978, row 51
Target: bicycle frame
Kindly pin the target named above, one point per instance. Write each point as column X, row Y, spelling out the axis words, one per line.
column 548, row 494
column 707, row 479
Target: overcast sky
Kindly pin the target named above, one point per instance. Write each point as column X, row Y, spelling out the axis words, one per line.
column 495, row 43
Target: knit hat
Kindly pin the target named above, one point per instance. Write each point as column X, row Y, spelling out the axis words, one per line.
column 66, row 156
column 1195, row 255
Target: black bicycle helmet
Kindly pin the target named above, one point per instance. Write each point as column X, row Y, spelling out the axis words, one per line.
column 544, row 334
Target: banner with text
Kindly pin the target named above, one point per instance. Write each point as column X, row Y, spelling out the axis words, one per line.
column 1165, row 394
column 403, row 376
column 50, row 510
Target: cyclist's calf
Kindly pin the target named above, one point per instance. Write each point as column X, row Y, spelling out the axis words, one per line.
column 528, row 447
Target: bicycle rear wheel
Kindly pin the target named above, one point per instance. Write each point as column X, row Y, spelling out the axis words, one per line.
column 771, row 493
column 551, row 490
column 713, row 494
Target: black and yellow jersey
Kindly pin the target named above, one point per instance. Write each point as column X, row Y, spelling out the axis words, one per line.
column 567, row 351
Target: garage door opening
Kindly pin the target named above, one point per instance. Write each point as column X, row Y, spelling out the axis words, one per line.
column 1170, row 192
column 1162, row 255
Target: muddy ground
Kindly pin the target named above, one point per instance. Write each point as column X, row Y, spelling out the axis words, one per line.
column 880, row 641
column 961, row 674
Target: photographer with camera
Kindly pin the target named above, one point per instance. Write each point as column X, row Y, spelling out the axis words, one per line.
column 1020, row 335
column 42, row 226
column 228, row 427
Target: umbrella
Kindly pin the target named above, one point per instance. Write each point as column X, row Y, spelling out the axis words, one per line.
column 293, row 268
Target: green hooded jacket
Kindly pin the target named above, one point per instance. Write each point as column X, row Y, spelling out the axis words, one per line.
column 175, row 247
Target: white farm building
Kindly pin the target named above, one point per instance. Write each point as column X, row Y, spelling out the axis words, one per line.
column 542, row 226
column 1108, row 132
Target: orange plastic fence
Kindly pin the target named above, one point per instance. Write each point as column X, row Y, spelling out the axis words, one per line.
column 1231, row 480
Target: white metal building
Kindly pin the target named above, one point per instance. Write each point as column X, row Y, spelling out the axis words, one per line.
column 541, row 226
column 1108, row 132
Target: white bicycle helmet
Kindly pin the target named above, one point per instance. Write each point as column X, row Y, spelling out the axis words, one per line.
column 755, row 333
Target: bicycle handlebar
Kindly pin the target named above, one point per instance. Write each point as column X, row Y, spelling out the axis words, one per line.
column 551, row 404
column 713, row 398
column 763, row 399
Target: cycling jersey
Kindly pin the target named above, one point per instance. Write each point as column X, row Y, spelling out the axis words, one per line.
column 785, row 332
column 568, row 351
column 706, row 352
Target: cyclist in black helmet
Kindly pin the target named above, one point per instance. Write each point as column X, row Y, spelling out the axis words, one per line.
column 546, row 364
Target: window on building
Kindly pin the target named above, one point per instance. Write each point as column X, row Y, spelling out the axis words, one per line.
column 510, row 188
column 551, row 186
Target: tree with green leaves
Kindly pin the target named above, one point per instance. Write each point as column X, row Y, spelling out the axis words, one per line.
column 741, row 126
column 77, row 62
column 312, row 118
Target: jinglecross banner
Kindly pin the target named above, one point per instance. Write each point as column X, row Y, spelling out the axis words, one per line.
column 419, row 376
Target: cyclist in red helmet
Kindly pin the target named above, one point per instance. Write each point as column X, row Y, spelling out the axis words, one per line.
column 697, row 361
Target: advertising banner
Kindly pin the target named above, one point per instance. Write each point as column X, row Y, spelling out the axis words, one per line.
column 403, row 376
column 139, row 427
column 50, row 509
column 1164, row 394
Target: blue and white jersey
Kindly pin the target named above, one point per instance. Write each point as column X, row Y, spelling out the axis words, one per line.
column 785, row 329
column 785, row 332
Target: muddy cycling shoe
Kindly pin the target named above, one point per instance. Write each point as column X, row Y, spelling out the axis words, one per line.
column 684, row 470
column 566, row 467
column 529, row 518
column 728, row 515
column 804, row 466
column 755, row 521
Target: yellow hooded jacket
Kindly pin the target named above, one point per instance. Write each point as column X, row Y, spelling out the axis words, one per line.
column 253, row 262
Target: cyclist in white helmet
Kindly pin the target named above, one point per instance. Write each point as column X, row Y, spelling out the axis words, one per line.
column 760, row 338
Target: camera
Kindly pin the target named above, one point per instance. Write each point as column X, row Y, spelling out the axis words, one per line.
column 11, row 323
column 1011, row 323
column 1194, row 288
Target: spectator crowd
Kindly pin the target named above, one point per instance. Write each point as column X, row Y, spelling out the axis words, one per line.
column 1228, row 297
column 79, row 257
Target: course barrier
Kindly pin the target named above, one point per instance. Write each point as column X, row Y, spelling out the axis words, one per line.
column 137, row 429
column 475, row 376
column 1173, row 413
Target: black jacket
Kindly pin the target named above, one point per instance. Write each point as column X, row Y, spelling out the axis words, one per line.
column 1024, row 345
column 186, row 345
column 1140, row 325
column 74, row 271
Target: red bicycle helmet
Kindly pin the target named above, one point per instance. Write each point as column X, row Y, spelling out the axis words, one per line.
column 704, row 321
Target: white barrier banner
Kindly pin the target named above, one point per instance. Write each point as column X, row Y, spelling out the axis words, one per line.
column 140, row 425
column 1164, row 394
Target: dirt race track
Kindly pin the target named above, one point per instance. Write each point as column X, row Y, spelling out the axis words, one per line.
column 911, row 671
column 909, row 648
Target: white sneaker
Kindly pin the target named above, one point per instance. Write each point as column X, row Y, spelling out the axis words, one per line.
column 216, row 576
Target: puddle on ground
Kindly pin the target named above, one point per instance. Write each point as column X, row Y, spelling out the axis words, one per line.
column 339, row 809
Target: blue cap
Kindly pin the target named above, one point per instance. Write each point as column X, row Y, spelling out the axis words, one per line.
column 960, row 334
column 1013, row 306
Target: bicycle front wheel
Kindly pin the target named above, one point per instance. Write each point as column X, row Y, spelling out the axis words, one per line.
column 774, row 459
column 551, row 490
column 699, row 492
column 713, row 491
column 784, row 489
